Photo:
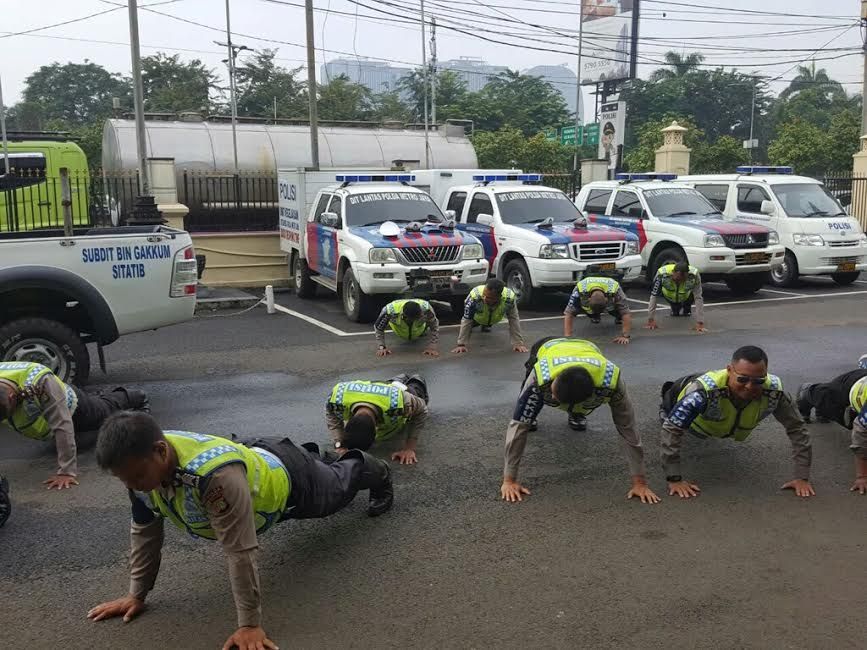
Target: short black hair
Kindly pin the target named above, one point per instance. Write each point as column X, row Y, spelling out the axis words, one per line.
column 681, row 267
column 495, row 285
column 574, row 385
column 5, row 405
column 125, row 435
column 412, row 310
column 751, row 353
column 359, row 432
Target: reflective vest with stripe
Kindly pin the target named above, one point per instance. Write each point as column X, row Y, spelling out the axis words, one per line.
column 557, row 355
column 858, row 394
column 673, row 291
column 201, row 455
column 486, row 315
column 27, row 418
column 385, row 397
column 587, row 286
column 721, row 418
column 398, row 323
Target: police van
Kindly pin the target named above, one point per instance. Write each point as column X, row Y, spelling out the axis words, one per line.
column 370, row 236
column 674, row 223
column 820, row 238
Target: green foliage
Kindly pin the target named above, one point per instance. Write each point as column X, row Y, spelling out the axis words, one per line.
column 171, row 85
column 450, row 91
column 343, row 99
column 389, row 106
column 259, row 82
column 813, row 150
column 508, row 147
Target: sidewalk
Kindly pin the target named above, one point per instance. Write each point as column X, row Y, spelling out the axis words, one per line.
column 213, row 298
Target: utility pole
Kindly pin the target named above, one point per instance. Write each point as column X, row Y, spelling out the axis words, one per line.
column 233, row 53
column 3, row 129
column 425, row 83
column 752, row 118
column 575, row 161
column 433, row 66
column 864, row 83
column 311, row 87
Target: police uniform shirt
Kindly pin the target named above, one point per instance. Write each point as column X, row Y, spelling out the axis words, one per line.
column 472, row 306
column 698, row 296
column 529, row 405
column 859, row 433
column 616, row 303
column 414, row 408
column 229, row 508
column 52, row 399
column 694, row 403
column 427, row 316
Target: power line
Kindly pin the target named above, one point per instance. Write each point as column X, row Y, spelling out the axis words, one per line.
column 61, row 24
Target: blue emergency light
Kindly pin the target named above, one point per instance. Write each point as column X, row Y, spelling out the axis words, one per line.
column 386, row 178
column 645, row 176
column 764, row 169
column 489, row 178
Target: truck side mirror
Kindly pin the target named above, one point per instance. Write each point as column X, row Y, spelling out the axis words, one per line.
column 768, row 208
column 330, row 219
column 451, row 215
column 485, row 219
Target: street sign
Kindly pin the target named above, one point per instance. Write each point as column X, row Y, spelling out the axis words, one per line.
column 550, row 134
column 587, row 134
column 567, row 135
column 591, row 134
column 751, row 144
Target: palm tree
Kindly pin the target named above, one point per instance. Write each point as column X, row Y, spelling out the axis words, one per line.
column 680, row 66
column 809, row 77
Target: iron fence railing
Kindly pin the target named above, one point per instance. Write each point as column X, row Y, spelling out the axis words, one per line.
column 219, row 202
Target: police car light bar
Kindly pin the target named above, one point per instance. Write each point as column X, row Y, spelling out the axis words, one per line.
column 752, row 169
column 386, row 178
column 647, row 176
column 526, row 178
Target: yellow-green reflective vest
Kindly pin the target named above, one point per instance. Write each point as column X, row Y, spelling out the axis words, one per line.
column 486, row 315
column 398, row 323
column 674, row 292
column 588, row 285
column 721, row 418
column 858, row 394
column 27, row 418
column 199, row 456
column 557, row 355
column 385, row 397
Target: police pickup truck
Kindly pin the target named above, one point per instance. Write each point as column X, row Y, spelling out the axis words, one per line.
column 676, row 223
column 534, row 237
column 370, row 236
column 59, row 292
column 819, row 237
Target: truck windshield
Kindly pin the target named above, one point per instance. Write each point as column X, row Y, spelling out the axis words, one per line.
column 807, row 200
column 374, row 208
column 678, row 202
column 531, row 206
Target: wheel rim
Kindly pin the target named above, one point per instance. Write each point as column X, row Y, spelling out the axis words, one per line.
column 351, row 295
column 515, row 282
column 781, row 272
column 43, row 352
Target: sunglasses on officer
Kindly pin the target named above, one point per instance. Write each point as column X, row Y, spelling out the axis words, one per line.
column 745, row 379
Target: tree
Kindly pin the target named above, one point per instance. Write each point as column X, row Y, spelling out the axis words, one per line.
column 173, row 86
column 260, row 83
column 680, row 66
column 722, row 156
column 844, row 139
column 389, row 106
column 450, row 90
column 810, row 78
column 508, row 147
column 344, row 100
column 498, row 149
column 801, row 145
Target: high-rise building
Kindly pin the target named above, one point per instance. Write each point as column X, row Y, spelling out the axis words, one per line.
column 562, row 78
column 474, row 72
column 376, row 75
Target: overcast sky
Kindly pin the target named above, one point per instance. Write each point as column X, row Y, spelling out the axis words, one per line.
column 684, row 26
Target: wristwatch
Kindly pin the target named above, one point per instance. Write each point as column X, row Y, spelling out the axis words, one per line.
column 674, row 478
column 382, row 347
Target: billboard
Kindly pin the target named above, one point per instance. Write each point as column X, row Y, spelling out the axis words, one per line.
column 612, row 128
column 607, row 44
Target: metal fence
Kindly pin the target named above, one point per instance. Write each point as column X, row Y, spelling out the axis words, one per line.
column 569, row 183
column 229, row 203
column 851, row 191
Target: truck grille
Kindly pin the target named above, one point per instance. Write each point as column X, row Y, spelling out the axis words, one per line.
column 598, row 251
column 836, row 261
column 752, row 259
column 841, row 244
column 430, row 254
column 749, row 240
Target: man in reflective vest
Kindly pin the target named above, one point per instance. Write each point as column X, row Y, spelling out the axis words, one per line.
column 360, row 412
column 409, row 320
column 487, row 306
column 572, row 375
column 592, row 296
column 680, row 285
column 222, row 490
column 730, row 403
column 37, row 404
column 843, row 400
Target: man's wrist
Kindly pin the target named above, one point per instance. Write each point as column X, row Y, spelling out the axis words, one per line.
column 639, row 479
column 674, row 478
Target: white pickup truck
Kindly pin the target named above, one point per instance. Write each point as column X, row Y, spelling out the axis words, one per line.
column 534, row 236
column 369, row 236
column 59, row 293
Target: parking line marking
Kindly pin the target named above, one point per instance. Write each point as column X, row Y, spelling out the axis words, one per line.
column 784, row 293
column 643, row 302
column 313, row 321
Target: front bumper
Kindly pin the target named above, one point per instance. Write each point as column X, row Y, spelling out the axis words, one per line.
column 565, row 272
column 430, row 280
column 729, row 261
column 824, row 260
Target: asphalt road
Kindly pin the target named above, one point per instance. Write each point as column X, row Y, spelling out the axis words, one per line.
column 576, row 565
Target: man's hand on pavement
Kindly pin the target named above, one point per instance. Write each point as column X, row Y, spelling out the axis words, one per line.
column 249, row 638
column 683, row 489
column 460, row 349
column 405, row 456
column 519, row 348
column 860, row 485
column 622, row 340
column 700, row 328
column 129, row 607
column 512, row 491
column 640, row 490
column 651, row 325
column 60, row 481
column 801, row 487
column 383, row 352
column 430, row 352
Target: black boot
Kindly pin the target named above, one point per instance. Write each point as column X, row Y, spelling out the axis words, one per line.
column 577, row 422
column 805, row 408
column 376, row 477
column 133, row 399
column 5, row 503
column 402, row 378
column 675, row 309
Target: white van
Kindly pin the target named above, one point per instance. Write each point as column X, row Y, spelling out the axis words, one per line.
column 819, row 236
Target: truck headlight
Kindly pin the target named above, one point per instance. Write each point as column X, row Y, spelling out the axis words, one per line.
column 862, row 240
column 473, row 251
column 632, row 247
column 808, row 240
column 714, row 241
column 773, row 238
column 382, row 255
column 554, row 251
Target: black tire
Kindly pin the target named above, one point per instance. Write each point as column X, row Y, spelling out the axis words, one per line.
column 786, row 275
column 48, row 342
column 305, row 287
column 357, row 305
column 5, row 501
column 845, row 279
column 746, row 285
column 516, row 275
column 668, row 255
column 457, row 304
